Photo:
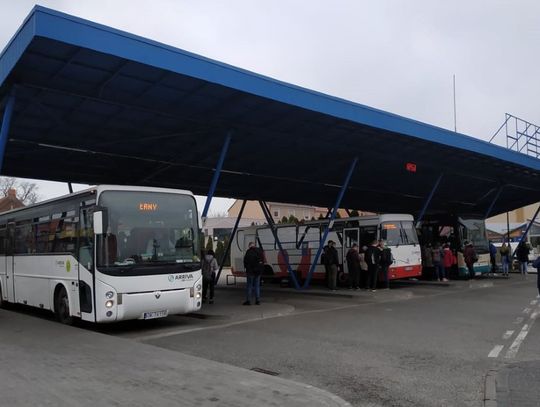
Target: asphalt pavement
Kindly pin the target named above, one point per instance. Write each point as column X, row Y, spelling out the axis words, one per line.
column 48, row 364
column 418, row 344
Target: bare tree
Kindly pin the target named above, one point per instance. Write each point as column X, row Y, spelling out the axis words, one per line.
column 27, row 192
column 7, row 183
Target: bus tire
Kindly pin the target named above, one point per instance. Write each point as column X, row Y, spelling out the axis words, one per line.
column 61, row 306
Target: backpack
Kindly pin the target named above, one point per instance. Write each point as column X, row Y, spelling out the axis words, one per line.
column 323, row 256
column 206, row 269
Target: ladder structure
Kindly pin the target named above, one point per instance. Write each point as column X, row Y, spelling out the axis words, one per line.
column 521, row 135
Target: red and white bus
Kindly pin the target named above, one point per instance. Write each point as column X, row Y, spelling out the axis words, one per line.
column 300, row 243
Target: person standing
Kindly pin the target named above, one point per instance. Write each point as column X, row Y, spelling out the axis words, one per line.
column 353, row 264
column 505, row 258
column 373, row 255
column 436, row 256
column 536, row 265
column 470, row 258
column 385, row 262
column 254, row 264
column 493, row 257
column 209, row 267
column 427, row 261
column 331, row 263
column 522, row 254
column 448, row 261
column 363, row 267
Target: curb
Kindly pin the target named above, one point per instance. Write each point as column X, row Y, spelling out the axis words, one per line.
column 490, row 389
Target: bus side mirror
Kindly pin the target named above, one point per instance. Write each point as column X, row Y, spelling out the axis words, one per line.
column 100, row 222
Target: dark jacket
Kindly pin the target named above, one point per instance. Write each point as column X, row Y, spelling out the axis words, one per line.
column 331, row 256
column 373, row 256
column 522, row 253
column 353, row 260
column 386, row 257
column 469, row 255
column 492, row 250
column 254, row 261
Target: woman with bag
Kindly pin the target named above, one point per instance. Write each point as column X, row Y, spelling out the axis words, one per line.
column 505, row 258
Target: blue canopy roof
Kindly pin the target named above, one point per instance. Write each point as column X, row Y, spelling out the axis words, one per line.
column 98, row 105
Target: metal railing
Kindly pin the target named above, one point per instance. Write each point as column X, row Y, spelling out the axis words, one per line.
column 521, row 135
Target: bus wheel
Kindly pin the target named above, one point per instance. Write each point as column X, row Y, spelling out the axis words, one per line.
column 61, row 306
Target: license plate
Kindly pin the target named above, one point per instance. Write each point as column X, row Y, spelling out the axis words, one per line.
column 155, row 314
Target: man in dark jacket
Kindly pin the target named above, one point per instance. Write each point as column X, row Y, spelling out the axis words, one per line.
column 353, row 264
column 254, row 265
column 493, row 257
column 331, row 262
column 470, row 257
column 373, row 257
column 385, row 262
column 522, row 254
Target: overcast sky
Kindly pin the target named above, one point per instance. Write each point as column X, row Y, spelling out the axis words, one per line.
column 395, row 55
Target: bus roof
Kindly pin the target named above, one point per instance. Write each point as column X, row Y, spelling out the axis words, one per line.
column 97, row 189
column 97, row 105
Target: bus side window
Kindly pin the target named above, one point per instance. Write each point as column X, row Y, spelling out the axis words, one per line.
column 3, row 240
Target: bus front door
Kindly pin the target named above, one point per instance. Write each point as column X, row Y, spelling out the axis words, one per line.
column 86, row 264
column 10, row 263
column 350, row 237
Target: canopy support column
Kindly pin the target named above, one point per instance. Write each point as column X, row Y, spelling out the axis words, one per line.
column 231, row 238
column 331, row 222
column 70, row 187
column 428, row 200
column 488, row 212
column 285, row 256
column 215, row 178
column 524, row 235
column 4, row 130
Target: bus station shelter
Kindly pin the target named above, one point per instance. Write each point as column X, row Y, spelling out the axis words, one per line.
column 82, row 102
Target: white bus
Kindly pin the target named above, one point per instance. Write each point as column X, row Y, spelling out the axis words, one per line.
column 300, row 243
column 106, row 254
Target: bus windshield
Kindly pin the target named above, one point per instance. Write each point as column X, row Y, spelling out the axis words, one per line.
column 148, row 229
column 399, row 233
column 476, row 233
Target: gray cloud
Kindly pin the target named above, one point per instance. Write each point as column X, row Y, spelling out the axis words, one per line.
column 394, row 55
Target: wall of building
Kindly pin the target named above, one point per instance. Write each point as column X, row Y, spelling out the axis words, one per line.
column 517, row 215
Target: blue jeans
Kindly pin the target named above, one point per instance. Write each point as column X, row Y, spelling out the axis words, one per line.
column 253, row 284
column 523, row 267
column 505, row 265
column 439, row 270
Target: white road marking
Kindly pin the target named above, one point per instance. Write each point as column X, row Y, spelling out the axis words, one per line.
column 534, row 302
column 513, row 350
column 518, row 320
column 508, row 334
column 526, row 310
column 495, row 351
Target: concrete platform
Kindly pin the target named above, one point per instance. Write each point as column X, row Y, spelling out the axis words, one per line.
column 48, row 364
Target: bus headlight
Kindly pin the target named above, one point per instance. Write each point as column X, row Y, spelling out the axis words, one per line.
column 199, row 287
column 109, row 295
column 198, row 295
column 109, row 304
